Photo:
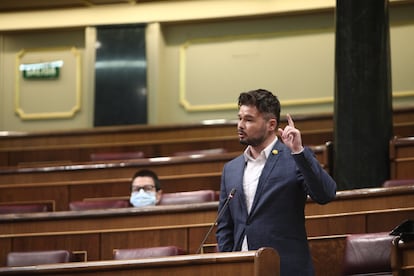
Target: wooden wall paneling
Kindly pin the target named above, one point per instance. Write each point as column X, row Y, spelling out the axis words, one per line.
column 327, row 251
column 104, row 234
column 89, row 242
column 404, row 168
column 402, row 157
column 4, row 159
column 97, row 189
column 405, row 129
column 335, row 224
column 33, row 193
column 386, row 221
column 150, row 217
column 160, row 217
column 364, row 200
column 64, row 192
column 357, row 222
column 327, row 254
column 5, row 248
column 404, row 147
column 197, row 234
column 43, row 157
column 403, row 121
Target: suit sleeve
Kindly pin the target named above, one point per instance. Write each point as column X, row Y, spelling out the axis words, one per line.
column 318, row 183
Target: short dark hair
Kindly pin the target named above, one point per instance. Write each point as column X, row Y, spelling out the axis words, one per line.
column 264, row 100
column 148, row 173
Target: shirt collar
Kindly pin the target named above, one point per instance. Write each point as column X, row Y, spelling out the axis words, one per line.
column 266, row 152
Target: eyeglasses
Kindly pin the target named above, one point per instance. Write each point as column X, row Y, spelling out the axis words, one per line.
column 146, row 188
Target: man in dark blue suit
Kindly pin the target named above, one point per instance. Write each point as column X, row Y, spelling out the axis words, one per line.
column 273, row 178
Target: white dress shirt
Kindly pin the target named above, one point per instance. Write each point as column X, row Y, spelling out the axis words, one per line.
column 251, row 176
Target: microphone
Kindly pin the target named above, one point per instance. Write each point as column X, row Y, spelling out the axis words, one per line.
column 229, row 197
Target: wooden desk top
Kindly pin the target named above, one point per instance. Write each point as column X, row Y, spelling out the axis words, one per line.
column 262, row 262
column 132, row 211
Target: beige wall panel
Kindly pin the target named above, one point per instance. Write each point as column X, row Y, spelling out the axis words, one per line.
column 402, row 55
column 285, row 46
column 214, row 71
column 46, row 97
column 154, row 51
column 291, row 56
column 2, row 75
column 61, row 93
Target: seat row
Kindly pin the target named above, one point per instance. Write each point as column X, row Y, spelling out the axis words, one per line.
column 64, row 184
column 30, row 258
column 377, row 253
column 189, row 197
column 84, row 145
column 98, row 232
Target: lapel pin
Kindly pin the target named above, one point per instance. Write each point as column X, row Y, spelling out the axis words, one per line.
column 274, row 152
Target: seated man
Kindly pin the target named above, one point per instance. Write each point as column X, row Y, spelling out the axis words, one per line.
column 146, row 189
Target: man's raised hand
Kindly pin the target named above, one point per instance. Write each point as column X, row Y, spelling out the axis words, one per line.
column 291, row 136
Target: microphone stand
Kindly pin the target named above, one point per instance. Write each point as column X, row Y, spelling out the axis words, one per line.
column 231, row 194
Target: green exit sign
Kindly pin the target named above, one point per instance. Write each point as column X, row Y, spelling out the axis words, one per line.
column 45, row 70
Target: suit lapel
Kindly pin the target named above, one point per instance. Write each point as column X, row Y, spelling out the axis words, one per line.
column 239, row 186
column 267, row 169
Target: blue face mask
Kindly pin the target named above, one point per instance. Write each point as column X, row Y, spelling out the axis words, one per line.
column 142, row 198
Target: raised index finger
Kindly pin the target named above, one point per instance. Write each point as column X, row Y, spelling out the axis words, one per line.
column 290, row 121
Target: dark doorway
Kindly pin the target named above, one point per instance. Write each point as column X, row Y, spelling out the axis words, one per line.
column 120, row 76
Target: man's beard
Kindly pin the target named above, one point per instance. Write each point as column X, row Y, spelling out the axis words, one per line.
column 253, row 141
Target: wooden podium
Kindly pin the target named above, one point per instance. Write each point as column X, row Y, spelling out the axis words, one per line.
column 261, row 262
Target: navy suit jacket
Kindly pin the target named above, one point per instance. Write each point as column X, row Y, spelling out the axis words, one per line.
column 277, row 216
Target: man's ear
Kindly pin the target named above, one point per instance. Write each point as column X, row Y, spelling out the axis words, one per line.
column 272, row 124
